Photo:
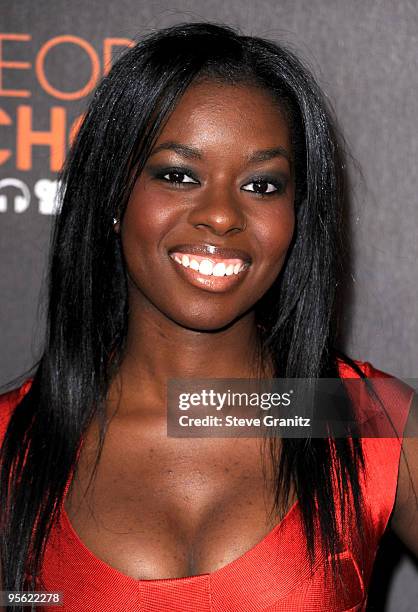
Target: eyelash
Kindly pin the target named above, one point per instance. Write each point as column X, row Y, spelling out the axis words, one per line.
column 280, row 185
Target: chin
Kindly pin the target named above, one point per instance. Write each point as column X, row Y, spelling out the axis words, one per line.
column 205, row 323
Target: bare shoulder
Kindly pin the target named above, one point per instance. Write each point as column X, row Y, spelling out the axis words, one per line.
column 404, row 521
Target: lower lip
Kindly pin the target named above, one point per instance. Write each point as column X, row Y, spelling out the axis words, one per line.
column 216, row 284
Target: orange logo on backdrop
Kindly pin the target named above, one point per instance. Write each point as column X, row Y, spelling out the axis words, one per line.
column 60, row 133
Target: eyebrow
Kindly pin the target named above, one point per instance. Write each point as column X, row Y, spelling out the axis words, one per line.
column 193, row 153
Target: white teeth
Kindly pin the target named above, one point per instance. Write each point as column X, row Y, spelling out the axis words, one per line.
column 206, row 267
column 219, row 269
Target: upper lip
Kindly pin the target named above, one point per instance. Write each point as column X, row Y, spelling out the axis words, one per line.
column 211, row 249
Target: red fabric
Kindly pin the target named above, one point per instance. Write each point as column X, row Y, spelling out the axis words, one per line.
column 273, row 576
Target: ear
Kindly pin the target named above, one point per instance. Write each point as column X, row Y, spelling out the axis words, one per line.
column 116, row 225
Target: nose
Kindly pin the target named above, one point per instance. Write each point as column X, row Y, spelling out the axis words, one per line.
column 219, row 212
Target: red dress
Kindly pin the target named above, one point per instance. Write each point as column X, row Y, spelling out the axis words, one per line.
column 273, row 576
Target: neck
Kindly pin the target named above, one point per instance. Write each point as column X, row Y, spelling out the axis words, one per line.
column 158, row 349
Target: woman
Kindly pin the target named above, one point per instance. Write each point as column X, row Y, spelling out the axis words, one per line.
column 200, row 145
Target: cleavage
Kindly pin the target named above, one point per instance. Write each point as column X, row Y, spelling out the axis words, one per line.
column 163, row 507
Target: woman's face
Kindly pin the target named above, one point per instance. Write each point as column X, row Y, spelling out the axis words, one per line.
column 211, row 216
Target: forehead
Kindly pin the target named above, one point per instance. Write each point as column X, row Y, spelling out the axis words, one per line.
column 223, row 115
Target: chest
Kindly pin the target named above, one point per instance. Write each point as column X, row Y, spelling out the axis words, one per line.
column 160, row 507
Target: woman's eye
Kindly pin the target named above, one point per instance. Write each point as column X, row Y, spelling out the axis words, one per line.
column 264, row 187
column 175, row 176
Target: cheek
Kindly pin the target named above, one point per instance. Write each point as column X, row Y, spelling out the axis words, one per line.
column 276, row 234
column 274, row 240
column 146, row 220
column 140, row 234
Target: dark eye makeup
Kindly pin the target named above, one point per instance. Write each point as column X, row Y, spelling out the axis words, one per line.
column 177, row 176
column 261, row 184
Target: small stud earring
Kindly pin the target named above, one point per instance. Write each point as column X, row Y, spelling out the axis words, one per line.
column 115, row 221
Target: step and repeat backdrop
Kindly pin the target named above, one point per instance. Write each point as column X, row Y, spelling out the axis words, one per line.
column 364, row 55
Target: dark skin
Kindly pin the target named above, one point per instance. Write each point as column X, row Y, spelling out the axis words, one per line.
column 164, row 507
column 171, row 507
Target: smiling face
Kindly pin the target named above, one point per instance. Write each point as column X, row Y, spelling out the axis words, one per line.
column 211, row 216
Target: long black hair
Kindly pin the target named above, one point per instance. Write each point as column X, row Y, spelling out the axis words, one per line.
column 88, row 303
